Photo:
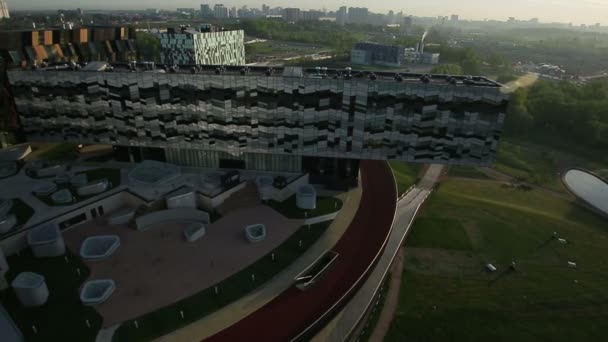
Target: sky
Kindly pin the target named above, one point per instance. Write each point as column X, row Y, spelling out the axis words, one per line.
column 575, row 11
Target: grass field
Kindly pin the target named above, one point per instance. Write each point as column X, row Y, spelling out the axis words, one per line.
column 466, row 172
column 406, row 174
column 63, row 317
column 447, row 295
column 541, row 165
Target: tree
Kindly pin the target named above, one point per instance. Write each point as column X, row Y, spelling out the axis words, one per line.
column 447, row 69
column 148, row 47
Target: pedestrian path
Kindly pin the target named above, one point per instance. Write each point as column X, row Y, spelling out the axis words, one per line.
column 242, row 308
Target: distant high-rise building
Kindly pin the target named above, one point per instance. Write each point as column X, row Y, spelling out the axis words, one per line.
column 291, row 14
column 219, row 11
column 455, row 18
column 311, row 15
column 206, row 11
column 341, row 16
column 205, row 46
column 233, row 13
column 358, row 15
column 265, row 9
column 408, row 23
column 4, row 10
column 534, row 21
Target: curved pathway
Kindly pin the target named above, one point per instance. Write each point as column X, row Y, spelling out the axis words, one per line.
column 293, row 311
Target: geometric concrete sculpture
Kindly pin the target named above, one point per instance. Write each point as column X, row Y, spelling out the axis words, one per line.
column 5, row 206
column 99, row 247
column 46, row 241
column 7, row 168
column 63, row 196
column 95, row 292
column 255, row 233
column 31, row 289
column 265, row 188
column 7, row 223
column 306, row 197
column 122, row 217
column 45, row 189
column 182, row 198
column 3, row 269
column 62, row 178
column 94, row 187
column 155, row 173
column 171, row 215
column 195, row 231
column 50, row 171
column 79, row 180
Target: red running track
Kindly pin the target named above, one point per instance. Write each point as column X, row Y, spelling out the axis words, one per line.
column 290, row 313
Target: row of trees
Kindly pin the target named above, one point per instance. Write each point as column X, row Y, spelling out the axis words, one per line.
column 561, row 112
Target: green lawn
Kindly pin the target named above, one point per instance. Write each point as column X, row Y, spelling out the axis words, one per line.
column 168, row 319
column 113, row 175
column 63, row 317
column 22, row 211
column 467, row 172
column 325, row 205
column 437, row 232
column 448, row 296
column 406, row 174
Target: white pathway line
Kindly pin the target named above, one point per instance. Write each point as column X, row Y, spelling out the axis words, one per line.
column 106, row 334
column 322, row 218
column 344, row 325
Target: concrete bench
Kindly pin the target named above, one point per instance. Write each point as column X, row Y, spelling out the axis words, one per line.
column 93, row 188
column 171, row 215
column 46, row 241
column 122, row 217
column 31, row 289
column 195, row 231
column 306, row 197
column 63, row 196
column 95, row 292
column 7, row 223
column 99, row 247
column 255, row 233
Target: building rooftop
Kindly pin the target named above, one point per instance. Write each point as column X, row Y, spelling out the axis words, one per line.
column 310, row 73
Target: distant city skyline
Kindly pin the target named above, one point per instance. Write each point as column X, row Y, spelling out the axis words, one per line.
column 577, row 12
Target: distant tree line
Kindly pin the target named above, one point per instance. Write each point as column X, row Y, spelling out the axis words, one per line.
column 562, row 112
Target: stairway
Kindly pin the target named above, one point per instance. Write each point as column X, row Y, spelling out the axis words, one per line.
column 246, row 197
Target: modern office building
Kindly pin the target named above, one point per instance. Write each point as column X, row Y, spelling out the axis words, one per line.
column 341, row 16
column 219, row 11
column 378, row 54
column 291, row 14
column 358, row 15
column 318, row 121
column 4, row 10
column 311, row 15
column 207, row 45
column 110, row 44
column 408, row 24
column 206, row 11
